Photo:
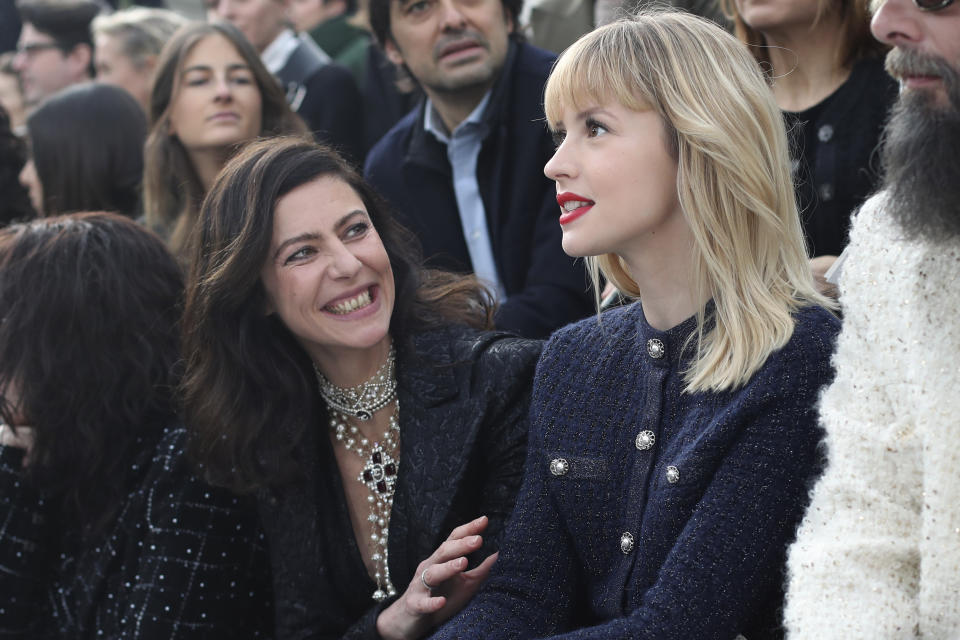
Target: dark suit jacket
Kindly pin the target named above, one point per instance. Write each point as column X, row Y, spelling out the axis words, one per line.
column 546, row 289
column 325, row 95
column 463, row 428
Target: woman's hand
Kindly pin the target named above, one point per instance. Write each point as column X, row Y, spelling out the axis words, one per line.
column 420, row 608
column 819, row 266
column 21, row 439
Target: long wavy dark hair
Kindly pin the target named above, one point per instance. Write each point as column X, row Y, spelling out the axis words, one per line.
column 249, row 390
column 172, row 191
column 88, row 345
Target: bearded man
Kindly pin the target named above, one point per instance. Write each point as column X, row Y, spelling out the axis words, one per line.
column 878, row 553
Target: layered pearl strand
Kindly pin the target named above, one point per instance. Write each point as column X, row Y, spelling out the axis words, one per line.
column 380, row 477
column 381, row 459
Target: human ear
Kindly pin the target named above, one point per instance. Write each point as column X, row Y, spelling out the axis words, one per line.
column 81, row 59
column 393, row 52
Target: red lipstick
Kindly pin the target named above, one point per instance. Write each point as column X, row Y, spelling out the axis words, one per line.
column 567, row 216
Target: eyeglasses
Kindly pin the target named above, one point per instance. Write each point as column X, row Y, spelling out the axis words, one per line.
column 34, row 48
column 932, row 5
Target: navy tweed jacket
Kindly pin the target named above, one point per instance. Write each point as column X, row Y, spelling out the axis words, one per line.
column 648, row 513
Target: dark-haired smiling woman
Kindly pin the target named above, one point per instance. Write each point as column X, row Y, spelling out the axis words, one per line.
column 381, row 427
column 104, row 531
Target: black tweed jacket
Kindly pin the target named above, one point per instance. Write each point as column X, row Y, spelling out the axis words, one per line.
column 463, row 428
column 181, row 559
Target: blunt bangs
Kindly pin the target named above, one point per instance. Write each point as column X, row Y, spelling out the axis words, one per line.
column 599, row 68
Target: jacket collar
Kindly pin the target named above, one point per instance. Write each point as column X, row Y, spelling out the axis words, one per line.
column 426, row 150
column 439, row 425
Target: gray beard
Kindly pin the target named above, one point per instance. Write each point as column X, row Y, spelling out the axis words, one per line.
column 921, row 154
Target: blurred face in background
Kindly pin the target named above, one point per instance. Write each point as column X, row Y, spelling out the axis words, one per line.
column 307, row 14
column 261, row 21
column 775, row 15
column 45, row 68
column 117, row 68
column 11, row 99
column 216, row 103
column 31, row 181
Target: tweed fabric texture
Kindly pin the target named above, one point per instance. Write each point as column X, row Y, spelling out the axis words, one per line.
column 685, row 538
column 878, row 553
column 463, row 400
column 181, row 560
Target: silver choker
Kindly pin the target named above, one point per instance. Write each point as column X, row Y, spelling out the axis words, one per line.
column 364, row 400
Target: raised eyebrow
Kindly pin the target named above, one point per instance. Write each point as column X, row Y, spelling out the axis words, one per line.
column 342, row 222
column 310, row 235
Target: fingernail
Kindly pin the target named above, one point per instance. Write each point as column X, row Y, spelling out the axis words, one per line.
column 474, row 539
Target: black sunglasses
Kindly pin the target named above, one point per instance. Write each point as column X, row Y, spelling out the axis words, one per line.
column 932, row 5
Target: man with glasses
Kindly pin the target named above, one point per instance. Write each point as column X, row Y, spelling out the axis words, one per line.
column 878, row 554
column 55, row 49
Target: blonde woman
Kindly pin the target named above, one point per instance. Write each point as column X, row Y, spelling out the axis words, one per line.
column 672, row 441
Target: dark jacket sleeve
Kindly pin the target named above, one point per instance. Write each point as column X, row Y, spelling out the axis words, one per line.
column 202, row 568
column 528, row 593
column 502, row 375
column 333, row 110
column 26, row 547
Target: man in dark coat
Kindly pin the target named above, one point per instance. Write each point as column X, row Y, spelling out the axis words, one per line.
column 465, row 169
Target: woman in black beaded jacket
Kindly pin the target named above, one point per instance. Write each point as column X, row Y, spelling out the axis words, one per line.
column 357, row 394
column 106, row 533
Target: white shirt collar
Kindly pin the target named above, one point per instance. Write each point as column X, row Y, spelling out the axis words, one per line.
column 277, row 53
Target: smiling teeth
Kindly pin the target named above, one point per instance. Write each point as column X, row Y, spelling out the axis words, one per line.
column 346, row 306
column 573, row 205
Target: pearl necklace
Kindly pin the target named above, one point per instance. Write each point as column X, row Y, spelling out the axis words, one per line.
column 379, row 475
column 365, row 399
column 381, row 462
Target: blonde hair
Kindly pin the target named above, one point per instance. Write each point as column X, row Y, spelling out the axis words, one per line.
column 733, row 178
column 142, row 31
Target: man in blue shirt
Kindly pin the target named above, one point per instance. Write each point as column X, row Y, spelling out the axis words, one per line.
column 464, row 170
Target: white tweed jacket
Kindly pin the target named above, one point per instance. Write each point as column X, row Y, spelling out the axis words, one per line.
column 878, row 553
